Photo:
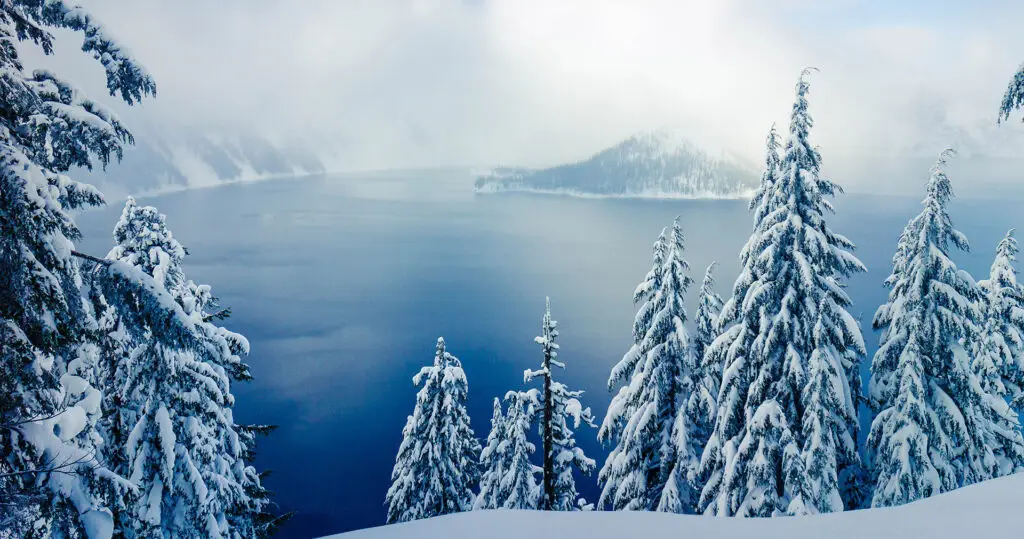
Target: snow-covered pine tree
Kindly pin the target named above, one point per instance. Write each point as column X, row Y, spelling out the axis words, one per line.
column 164, row 459
column 681, row 459
column 709, row 306
column 143, row 243
column 556, row 405
column 761, row 204
column 792, row 263
column 255, row 517
column 437, row 465
column 47, row 411
column 1013, row 99
column 110, row 344
column 243, row 513
column 142, row 240
column 730, row 321
column 934, row 428
column 624, row 467
column 702, row 404
column 646, row 419
column 824, row 421
column 703, row 400
column 999, row 358
column 509, row 479
column 492, row 465
column 518, row 487
column 184, row 450
column 910, row 449
column 999, row 351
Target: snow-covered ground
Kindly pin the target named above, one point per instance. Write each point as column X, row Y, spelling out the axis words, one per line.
column 990, row 510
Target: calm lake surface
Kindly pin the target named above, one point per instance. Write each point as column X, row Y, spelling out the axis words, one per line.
column 343, row 284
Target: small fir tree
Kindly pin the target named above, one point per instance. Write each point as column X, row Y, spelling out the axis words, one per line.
column 518, row 488
column 436, row 468
column 492, row 462
column 560, row 407
column 999, row 358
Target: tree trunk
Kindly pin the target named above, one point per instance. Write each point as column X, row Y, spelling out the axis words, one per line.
column 548, row 502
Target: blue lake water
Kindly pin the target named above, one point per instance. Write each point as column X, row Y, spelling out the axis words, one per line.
column 343, row 284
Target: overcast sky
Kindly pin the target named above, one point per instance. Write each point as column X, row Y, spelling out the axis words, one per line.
column 394, row 83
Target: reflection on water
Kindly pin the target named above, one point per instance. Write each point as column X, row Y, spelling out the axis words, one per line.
column 343, row 284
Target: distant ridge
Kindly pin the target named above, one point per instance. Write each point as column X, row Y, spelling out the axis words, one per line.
column 663, row 163
column 171, row 161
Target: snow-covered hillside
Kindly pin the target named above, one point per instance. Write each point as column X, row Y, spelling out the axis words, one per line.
column 987, row 510
column 171, row 161
column 662, row 163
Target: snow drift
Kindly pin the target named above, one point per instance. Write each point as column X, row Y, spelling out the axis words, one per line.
column 986, row 510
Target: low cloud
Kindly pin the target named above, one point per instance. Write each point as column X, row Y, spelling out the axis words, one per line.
column 423, row 83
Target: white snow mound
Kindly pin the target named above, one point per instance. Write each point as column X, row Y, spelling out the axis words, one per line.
column 987, row 510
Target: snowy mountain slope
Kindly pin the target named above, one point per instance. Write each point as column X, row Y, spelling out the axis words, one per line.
column 986, row 510
column 171, row 161
column 662, row 163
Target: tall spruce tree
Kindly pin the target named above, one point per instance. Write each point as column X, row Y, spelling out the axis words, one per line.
column 646, row 420
column 935, row 428
column 791, row 265
column 437, row 465
column 558, row 405
column 142, row 241
column 50, row 481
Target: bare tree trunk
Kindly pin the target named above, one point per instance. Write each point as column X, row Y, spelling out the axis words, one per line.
column 548, row 502
column 90, row 258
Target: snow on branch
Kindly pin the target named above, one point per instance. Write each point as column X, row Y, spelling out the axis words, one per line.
column 125, row 75
column 1013, row 99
